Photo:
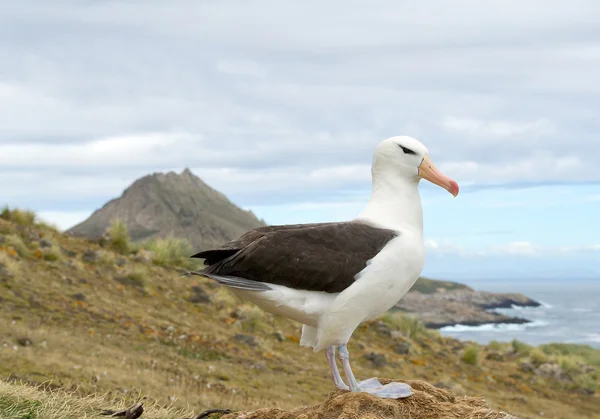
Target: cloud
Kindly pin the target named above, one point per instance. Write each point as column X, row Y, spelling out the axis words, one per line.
column 498, row 130
column 513, row 249
column 278, row 108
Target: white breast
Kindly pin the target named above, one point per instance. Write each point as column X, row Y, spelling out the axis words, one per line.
column 386, row 279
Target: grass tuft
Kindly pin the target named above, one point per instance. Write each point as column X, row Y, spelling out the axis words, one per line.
column 410, row 327
column 520, row 348
column 18, row 216
column 494, row 345
column 170, row 252
column 118, row 236
column 17, row 243
column 251, row 318
column 538, row 357
column 52, row 254
column 9, row 265
column 471, row 355
column 137, row 278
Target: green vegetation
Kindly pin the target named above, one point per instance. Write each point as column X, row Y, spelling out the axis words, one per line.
column 585, row 353
column 494, row 345
column 410, row 326
column 118, row 236
column 538, row 357
column 471, row 354
column 170, row 252
column 19, row 217
column 429, row 286
column 16, row 242
column 519, row 347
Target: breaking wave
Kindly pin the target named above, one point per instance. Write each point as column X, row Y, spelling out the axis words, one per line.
column 494, row 327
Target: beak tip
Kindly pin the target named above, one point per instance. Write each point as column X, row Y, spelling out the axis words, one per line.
column 454, row 189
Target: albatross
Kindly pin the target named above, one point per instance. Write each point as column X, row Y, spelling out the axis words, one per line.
column 332, row 276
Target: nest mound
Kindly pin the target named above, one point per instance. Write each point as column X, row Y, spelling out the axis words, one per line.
column 427, row 402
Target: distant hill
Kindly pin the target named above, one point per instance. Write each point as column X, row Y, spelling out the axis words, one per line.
column 163, row 204
column 430, row 286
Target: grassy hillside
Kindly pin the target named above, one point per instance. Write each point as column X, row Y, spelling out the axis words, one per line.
column 118, row 320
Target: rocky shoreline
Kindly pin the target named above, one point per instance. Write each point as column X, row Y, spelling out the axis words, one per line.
column 463, row 306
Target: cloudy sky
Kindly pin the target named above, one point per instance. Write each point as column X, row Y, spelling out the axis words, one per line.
column 279, row 105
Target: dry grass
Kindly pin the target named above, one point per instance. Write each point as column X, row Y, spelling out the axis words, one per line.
column 22, row 401
column 16, row 242
column 9, row 264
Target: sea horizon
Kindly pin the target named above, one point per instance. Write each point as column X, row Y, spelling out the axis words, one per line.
column 569, row 312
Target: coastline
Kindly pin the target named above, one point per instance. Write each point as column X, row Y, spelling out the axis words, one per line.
column 466, row 307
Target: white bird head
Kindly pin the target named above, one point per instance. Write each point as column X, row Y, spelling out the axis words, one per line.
column 406, row 157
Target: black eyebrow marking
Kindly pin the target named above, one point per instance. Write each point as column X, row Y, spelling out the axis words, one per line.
column 406, row 150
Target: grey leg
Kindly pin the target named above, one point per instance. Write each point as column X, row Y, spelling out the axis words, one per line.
column 372, row 385
column 335, row 373
column 345, row 358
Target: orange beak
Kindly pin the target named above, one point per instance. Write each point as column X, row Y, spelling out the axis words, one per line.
column 427, row 170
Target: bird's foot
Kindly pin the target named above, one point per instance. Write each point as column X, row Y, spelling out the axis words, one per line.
column 388, row 391
column 342, row 386
column 369, row 383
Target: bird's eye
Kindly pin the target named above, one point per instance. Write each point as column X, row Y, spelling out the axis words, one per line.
column 406, row 150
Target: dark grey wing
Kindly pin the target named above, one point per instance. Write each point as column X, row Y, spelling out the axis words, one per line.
column 317, row 257
column 212, row 256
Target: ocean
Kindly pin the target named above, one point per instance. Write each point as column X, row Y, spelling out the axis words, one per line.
column 570, row 313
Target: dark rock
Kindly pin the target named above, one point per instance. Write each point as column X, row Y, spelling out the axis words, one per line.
column 554, row 371
column 495, row 356
column 248, row 340
column 90, row 256
column 78, row 296
column 24, row 342
column 378, row 360
column 586, row 391
column 520, row 399
column 526, row 367
column 45, row 243
column 199, row 296
column 144, row 256
column 68, row 253
column 121, row 261
column 279, row 336
column 5, row 272
column 402, row 348
column 382, row 329
column 397, row 334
